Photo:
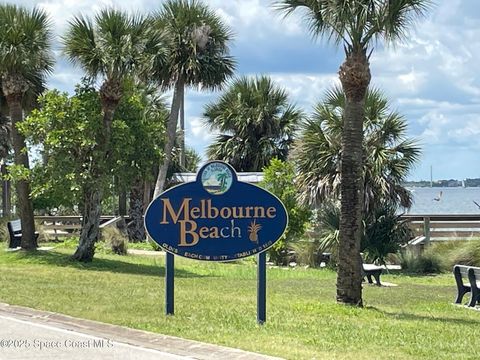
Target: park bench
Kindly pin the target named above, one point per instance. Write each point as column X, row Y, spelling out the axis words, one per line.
column 15, row 231
column 370, row 270
column 472, row 275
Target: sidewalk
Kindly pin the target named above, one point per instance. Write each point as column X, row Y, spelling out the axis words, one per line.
column 32, row 334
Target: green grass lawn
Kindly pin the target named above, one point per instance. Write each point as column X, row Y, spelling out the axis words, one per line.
column 216, row 303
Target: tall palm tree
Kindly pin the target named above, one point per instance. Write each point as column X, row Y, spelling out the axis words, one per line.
column 355, row 24
column 256, row 122
column 113, row 47
column 26, row 58
column 198, row 57
column 389, row 154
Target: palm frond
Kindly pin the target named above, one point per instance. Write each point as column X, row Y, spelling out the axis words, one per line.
column 355, row 23
column 256, row 120
column 198, row 42
column 388, row 154
column 25, row 43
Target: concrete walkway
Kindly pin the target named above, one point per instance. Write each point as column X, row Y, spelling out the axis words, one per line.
column 30, row 334
column 145, row 252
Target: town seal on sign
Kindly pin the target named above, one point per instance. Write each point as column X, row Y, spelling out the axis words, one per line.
column 217, row 178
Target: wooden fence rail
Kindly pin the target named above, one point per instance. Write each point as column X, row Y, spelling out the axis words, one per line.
column 432, row 227
column 445, row 227
column 64, row 226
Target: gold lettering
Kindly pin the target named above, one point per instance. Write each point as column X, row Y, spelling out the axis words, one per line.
column 271, row 212
column 247, row 212
column 167, row 207
column 214, row 233
column 225, row 212
column 195, row 212
column 261, row 210
column 237, row 212
column 184, row 232
column 210, row 209
column 203, row 232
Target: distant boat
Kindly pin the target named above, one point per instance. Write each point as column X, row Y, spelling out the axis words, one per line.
column 439, row 197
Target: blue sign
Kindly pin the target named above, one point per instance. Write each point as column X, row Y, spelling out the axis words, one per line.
column 216, row 217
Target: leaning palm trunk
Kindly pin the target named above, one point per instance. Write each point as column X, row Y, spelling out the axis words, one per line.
column 28, row 242
column 136, row 230
column 110, row 94
column 171, row 133
column 355, row 77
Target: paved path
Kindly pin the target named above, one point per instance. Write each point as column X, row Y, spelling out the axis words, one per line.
column 26, row 340
column 30, row 334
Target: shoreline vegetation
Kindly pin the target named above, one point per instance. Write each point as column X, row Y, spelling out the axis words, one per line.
column 444, row 183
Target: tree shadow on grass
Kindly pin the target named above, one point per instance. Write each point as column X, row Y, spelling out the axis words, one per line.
column 98, row 264
column 416, row 317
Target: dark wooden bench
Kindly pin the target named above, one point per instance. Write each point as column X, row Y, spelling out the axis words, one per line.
column 370, row 270
column 15, row 231
column 472, row 275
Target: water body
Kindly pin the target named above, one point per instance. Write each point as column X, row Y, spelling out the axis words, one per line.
column 452, row 201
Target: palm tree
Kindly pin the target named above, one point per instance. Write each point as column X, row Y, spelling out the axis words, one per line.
column 25, row 59
column 256, row 122
column 114, row 46
column 389, row 154
column 198, row 57
column 355, row 24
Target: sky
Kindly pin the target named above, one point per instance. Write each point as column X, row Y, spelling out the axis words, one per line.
column 432, row 78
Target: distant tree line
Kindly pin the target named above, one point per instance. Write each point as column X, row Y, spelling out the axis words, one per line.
column 444, row 183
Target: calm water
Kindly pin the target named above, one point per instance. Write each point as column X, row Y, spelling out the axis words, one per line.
column 453, row 201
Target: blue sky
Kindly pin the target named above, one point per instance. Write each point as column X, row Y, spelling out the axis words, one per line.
column 433, row 78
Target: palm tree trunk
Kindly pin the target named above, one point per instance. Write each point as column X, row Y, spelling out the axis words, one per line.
column 4, row 138
column 136, row 230
column 28, row 242
column 182, row 133
column 171, row 133
column 355, row 77
column 6, row 194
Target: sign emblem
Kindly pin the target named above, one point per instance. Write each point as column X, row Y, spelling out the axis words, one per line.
column 217, row 178
column 216, row 217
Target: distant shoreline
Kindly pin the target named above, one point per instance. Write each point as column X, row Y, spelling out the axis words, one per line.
column 467, row 183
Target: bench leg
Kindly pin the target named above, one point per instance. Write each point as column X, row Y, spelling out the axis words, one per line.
column 369, row 277
column 475, row 295
column 377, row 279
column 460, row 293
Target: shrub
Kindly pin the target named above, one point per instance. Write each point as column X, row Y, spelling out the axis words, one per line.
column 467, row 253
column 154, row 245
column 115, row 240
column 426, row 263
column 384, row 232
column 4, row 235
column 279, row 178
column 307, row 252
